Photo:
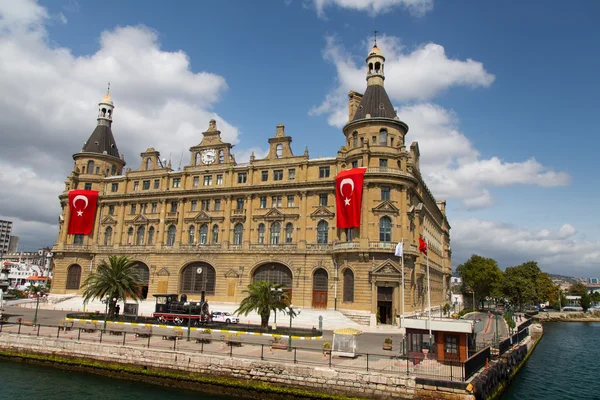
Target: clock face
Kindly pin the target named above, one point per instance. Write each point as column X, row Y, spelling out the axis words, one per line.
column 209, row 156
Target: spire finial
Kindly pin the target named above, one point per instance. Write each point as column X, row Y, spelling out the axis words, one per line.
column 108, row 90
column 375, row 36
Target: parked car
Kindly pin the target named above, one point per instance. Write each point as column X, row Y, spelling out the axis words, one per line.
column 228, row 318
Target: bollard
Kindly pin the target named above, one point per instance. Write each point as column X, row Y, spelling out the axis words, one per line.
column 149, row 336
column 57, row 331
column 367, row 362
column 101, row 335
column 262, row 351
column 79, row 334
column 330, row 358
column 230, row 349
column 38, row 331
column 19, row 331
column 202, row 347
column 124, row 336
column 174, row 343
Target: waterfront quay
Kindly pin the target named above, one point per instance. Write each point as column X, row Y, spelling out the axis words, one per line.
column 251, row 360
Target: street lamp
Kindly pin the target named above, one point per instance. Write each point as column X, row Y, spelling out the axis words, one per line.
column 276, row 292
column 292, row 313
column 37, row 305
column 189, row 306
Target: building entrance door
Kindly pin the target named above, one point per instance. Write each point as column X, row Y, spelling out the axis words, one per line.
column 320, row 285
column 384, row 304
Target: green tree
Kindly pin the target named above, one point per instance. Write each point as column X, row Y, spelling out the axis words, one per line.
column 585, row 301
column 563, row 300
column 577, row 289
column 546, row 291
column 116, row 280
column 481, row 275
column 262, row 297
column 596, row 297
column 519, row 284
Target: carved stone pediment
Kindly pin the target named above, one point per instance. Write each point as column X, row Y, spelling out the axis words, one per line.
column 232, row 273
column 388, row 267
column 140, row 219
column 202, row 217
column 322, row 212
column 108, row 220
column 274, row 215
column 163, row 272
column 238, row 217
column 386, row 207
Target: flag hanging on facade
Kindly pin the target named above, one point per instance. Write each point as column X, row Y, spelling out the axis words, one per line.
column 399, row 249
column 82, row 205
column 422, row 246
column 348, row 197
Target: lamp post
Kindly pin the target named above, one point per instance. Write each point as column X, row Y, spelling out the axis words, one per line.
column 37, row 305
column 105, row 311
column 189, row 306
column 292, row 315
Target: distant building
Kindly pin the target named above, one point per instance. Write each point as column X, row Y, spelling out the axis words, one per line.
column 5, row 229
column 594, row 281
column 13, row 244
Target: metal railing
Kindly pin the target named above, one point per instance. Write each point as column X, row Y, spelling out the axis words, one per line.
column 174, row 339
column 476, row 362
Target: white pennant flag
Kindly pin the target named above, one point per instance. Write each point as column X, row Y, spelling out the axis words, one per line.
column 399, row 249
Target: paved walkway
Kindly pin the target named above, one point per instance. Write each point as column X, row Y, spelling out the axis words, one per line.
column 307, row 318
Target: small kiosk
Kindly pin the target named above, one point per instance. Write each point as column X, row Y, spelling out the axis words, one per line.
column 345, row 342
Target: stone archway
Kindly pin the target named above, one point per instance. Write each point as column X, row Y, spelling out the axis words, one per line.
column 144, row 272
column 275, row 273
column 320, row 287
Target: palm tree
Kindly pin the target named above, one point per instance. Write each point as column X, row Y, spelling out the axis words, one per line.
column 114, row 280
column 262, row 298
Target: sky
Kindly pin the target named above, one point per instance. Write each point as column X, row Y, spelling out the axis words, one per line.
column 500, row 96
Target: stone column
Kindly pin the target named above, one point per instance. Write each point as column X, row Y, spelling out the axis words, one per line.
column 120, row 225
column 227, row 223
column 65, row 224
column 248, row 227
column 373, row 321
column 180, row 215
column 161, row 229
column 302, row 220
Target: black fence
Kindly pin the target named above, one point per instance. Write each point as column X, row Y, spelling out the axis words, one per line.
column 476, row 362
column 238, row 346
column 517, row 338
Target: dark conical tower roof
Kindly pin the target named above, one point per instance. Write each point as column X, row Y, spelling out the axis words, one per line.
column 102, row 140
column 376, row 103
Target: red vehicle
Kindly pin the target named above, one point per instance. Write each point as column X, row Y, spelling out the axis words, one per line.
column 170, row 310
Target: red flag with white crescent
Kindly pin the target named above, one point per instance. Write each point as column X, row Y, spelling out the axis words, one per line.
column 422, row 246
column 82, row 204
column 348, row 197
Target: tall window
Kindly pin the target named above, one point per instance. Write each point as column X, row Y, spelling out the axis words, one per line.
column 196, row 181
column 219, row 179
column 173, row 206
column 323, row 199
column 289, row 232
column 275, row 232
column 383, row 162
column 171, row 235
column 324, row 172
column 194, row 205
column 111, row 210
column 349, row 234
column 90, row 167
column 73, row 277
column 130, row 236
column 141, row 233
column 204, row 234
column 348, row 285
column 278, row 175
column 242, row 177
column 355, row 164
column 383, row 137
column 290, row 201
column 240, row 203
column 113, row 170
column 238, row 232
column 385, row 229
column 156, row 183
column 197, row 161
column 279, row 151
column 215, row 234
column 154, row 208
column 205, row 205
column 221, row 156
column 261, row 233
column 276, row 201
column 191, row 234
column 292, row 174
column 385, row 193
column 217, row 204
column 108, row 236
column 133, row 208
column 114, row 187
column 194, row 282
column 322, row 232
column 207, row 180
column 145, row 185
column 148, row 164
column 176, row 182
column 264, row 176
column 151, row 235
column 355, row 139
column 263, row 202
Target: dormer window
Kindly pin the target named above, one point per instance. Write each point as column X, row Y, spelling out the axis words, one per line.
column 148, row 164
column 279, row 151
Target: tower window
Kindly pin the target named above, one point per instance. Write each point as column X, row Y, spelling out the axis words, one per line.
column 264, row 176
column 242, row 177
column 355, row 139
column 383, row 134
column 176, row 182
column 279, row 151
column 148, row 164
column 292, row 174
column 90, row 167
column 383, row 162
column 88, row 186
column 221, row 158
column 145, row 185
column 385, row 193
column 156, row 183
column 278, row 175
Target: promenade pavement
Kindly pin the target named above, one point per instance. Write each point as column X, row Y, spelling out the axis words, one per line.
column 308, row 317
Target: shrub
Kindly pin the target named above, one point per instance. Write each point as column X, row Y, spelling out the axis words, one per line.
column 327, row 345
column 387, row 340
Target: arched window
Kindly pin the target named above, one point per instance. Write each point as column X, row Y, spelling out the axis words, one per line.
column 130, row 236
column 73, row 277
column 171, row 235
column 148, row 164
column 90, row 167
column 322, row 231
column 108, row 236
column 385, row 229
column 238, row 231
column 197, row 160
column 289, row 232
column 355, row 139
column 349, row 234
column 275, row 232
column 204, row 234
column 275, row 273
column 113, row 170
column 279, row 151
column 151, row 235
column 377, row 67
column 383, row 135
column 198, row 277
column 261, row 233
column 191, row 234
column 141, row 232
column 221, row 156
column 348, row 285
column 370, row 67
column 215, row 234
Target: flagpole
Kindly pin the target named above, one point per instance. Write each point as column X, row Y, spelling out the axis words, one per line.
column 428, row 296
column 402, row 302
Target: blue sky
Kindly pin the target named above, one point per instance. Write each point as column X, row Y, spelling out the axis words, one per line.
column 500, row 95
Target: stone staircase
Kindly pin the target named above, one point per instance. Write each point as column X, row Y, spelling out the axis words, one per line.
column 360, row 318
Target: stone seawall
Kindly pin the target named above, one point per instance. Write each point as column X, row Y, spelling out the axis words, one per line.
column 262, row 376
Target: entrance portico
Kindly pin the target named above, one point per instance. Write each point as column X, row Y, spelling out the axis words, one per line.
column 386, row 280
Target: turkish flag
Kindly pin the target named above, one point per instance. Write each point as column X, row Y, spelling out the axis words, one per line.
column 422, row 246
column 82, row 204
column 348, row 197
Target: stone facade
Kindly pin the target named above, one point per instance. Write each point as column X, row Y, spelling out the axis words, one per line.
column 216, row 225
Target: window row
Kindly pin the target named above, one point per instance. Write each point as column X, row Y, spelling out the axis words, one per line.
column 381, row 140
column 91, row 168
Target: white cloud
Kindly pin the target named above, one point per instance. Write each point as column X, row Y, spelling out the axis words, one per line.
column 452, row 167
column 375, row 7
column 555, row 251
column 49, row 102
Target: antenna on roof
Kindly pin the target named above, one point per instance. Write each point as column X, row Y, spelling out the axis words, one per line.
column 375, row 36
column 108, row 90
column 180, row 158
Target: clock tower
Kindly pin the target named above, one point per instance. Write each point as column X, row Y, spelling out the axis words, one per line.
column 211, row 150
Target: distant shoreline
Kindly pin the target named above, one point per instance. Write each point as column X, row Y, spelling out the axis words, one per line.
column 568, row 317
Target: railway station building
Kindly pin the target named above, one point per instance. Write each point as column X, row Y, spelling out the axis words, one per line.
column 216, row 225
